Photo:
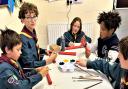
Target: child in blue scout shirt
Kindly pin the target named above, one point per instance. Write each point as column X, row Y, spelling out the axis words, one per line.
column 11, row 74
column 107, row 44
column 30, row 56
column 117, row 72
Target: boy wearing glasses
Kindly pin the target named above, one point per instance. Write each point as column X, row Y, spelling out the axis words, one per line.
column 30, row 50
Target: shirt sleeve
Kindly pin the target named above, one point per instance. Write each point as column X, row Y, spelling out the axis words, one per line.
column 113, row 55
column 11, row 81
column 39, row 63
column 29, row 56
column 109, row 69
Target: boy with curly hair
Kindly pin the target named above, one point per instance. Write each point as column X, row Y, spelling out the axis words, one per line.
column 107, row 44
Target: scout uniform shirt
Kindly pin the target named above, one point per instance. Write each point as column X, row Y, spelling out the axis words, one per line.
column 29, row 56
column 12, row 77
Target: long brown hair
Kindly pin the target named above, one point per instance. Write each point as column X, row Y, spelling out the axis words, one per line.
column 72, row 23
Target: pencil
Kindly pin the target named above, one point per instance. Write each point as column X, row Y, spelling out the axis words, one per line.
column 93, row 85
column 28, row 68
column 83, row 70
column 31, row 68
column 87, row 80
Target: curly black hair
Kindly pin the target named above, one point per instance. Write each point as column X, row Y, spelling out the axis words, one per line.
column 111, row 19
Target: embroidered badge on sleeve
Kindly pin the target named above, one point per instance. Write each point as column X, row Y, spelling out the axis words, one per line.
column 13, row 80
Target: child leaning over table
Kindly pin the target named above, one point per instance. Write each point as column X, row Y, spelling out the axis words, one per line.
column 106, row 46
column 117, row 72
column 11, row 74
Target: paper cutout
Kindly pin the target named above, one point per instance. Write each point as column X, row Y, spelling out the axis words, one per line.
column 11, row 4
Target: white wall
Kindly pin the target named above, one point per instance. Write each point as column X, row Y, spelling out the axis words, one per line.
column 56, row 12
column 123, row 30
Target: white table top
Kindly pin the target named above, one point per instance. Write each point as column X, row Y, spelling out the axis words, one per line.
column 63, row 80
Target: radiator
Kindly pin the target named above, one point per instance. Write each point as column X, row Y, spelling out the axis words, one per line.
column 56, row 30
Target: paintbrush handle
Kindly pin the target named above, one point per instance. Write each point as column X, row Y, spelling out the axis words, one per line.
column 93, row 85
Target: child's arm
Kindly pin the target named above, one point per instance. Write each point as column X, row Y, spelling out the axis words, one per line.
column 111, row 70
column 11, row 81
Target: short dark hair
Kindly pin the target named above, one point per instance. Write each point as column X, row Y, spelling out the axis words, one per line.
column 111, row 19
column 123, row 46
column 73, row 21
column 9, row 38
column 26, row 8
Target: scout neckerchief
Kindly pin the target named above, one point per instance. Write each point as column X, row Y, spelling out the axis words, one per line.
column 29, row 34
column 124, row 79
column 33, row 35
column 13, row 63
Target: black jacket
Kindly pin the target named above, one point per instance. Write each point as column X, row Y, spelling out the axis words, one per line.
column 104, row 45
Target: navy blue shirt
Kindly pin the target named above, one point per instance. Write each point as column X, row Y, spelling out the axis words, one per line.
column 29, row 56
column 104, row 45
column 111, row 71
column 10, row 78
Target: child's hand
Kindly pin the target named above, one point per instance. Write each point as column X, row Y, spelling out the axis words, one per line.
column 38, row 69
column 81, row 62
column 71, row 44
column 51, row 58
column 43, row 70
column 48, row 52
column 83, row 41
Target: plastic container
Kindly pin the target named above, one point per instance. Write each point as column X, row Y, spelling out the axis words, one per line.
column 62, row 43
